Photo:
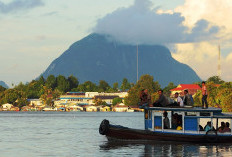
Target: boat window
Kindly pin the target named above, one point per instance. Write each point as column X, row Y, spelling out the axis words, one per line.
column 190, row 113
column 204, row 113
column 224, row 126
column 147, row 114
column 176, row 121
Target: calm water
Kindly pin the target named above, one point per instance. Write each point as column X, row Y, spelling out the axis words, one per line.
column 76, row 134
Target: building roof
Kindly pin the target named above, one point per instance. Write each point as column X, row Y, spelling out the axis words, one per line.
column 121, row 105
column 181, row 87
column 75, row 93
column 105, row 97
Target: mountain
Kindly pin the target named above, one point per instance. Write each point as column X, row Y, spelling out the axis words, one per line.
column 97, row 57
column 3, row 84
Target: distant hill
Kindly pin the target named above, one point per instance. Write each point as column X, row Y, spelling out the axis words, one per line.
column 96, row 58
column 3, row 84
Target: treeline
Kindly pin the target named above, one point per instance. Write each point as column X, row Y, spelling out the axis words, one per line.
column 219, row 91
column 53, row 87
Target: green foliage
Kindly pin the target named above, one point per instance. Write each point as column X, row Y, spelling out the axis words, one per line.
column 103, row 86
column 125, row 85
column 87, row 86
column 99, row 102
column 62, row 84
column 219, row 92
column 2, row 89
column 116, row 101
column 218, row 96
column 215, row 79
column 73, row 82
column 115, row 87
column 46, row 97
column 167, row 89
column 145, row 82
column 41, row 80
column 9, row 96
column 51, row 82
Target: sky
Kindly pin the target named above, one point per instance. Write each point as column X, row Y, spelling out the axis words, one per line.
column 35, row 32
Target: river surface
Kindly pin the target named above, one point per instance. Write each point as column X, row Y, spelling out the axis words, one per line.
column 69, row 134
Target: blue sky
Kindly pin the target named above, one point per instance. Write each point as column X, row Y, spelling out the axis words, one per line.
column 35, row 32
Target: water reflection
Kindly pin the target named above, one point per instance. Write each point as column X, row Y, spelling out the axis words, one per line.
column 151, row 149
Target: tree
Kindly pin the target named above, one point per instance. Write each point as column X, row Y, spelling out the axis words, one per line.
column 9, row 96
column 56, row 94
column 34, row 89
column 99, row 102
column 215, row 79
column 2, row 89
column 21, row 100
column 116, row 101
column 87, row 86
column 145, row 82
column 47, row 97
column 62, row 84
column 125, row 85
column 73, row 82
column 115, row 87
column 51, row 82
column 103, row 86
column 41, row 80
column 167, row 89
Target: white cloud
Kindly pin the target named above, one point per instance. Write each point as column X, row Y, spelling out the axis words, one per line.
column 141, row 24
column 217, row 12
column 203, row 56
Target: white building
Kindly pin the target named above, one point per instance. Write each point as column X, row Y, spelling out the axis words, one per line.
column 87, row 98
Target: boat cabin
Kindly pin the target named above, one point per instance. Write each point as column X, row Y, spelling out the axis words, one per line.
column 186, row 120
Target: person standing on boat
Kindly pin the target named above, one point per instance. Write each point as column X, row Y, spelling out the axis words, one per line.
column 145, row 98
column 204, row 95
column 166, row 121
column 162, row 100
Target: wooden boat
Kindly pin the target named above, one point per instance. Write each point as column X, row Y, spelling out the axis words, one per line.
column 190, row 120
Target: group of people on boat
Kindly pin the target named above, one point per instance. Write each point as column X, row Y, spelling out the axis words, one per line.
column 176, row 121
column 162, row 101
column 225, row 127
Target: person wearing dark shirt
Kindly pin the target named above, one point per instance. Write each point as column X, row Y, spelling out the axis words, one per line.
column 162, row 100
column 145, row 98
column 221, row 128
column 187, row 100
column 227, row 127
column 166, row 121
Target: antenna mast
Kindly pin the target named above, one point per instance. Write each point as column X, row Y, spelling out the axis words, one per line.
column 137, row 63
column 219, row 62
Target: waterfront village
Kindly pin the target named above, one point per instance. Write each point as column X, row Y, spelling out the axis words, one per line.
column 86, row 101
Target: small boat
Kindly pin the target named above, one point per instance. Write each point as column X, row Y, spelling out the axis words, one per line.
column 190, row 129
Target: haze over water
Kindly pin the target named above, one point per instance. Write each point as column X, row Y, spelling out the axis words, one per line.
column 76, row 134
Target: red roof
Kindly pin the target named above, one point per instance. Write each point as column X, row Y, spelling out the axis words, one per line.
column 186, row 86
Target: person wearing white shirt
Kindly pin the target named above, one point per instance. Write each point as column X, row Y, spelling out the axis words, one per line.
column 179, row 100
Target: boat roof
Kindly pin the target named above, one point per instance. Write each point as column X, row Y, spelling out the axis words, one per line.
column 186, row 109
column 217, row 111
